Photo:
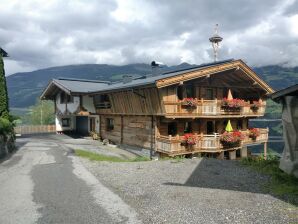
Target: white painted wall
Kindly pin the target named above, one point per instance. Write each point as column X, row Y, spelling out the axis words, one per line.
column 88, row 104
column 71, row 107
column 97, row 123
column 58, row 122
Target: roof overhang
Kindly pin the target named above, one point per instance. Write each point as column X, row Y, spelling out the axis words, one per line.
column 52, row 89
column 289, row 91
column 229, row 66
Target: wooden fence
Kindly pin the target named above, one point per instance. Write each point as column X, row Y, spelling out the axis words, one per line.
column 35, row 129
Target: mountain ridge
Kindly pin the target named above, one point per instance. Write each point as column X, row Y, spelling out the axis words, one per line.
column 25, row 87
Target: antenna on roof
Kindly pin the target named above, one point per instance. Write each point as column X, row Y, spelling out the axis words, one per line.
column 215, row 39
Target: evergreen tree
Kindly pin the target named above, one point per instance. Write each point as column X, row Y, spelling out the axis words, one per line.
column 4, row 111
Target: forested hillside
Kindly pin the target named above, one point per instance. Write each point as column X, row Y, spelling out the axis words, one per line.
column 24, row 88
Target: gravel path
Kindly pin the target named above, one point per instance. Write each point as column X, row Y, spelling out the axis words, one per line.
column 193, row 191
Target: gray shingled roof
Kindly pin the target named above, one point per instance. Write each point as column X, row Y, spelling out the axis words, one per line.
column 94, row 86
column 152, row 79
column 81, row 85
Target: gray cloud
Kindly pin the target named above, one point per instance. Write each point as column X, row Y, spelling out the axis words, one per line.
column 40, row 34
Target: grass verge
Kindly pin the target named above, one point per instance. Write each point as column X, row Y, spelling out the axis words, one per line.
column 99, row 157
column 281, row 183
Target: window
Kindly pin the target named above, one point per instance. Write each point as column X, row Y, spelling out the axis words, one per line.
column 172, row 128
column 180, row 92
column 102, row 101
column 187, row 127
column 62, row 97
column 209, row 94
column 65, row 122
column 235, row 94
column 65, row 98
column 110, row 124
column 239, row 124
column 69, row 99
column 190, row 91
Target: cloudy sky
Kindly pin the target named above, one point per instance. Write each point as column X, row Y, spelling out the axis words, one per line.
column 39, row 34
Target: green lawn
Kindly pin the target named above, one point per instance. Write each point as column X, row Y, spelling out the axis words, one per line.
column 99, row 157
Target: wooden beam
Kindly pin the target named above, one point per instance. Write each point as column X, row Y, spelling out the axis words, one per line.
column 121, row 131
column 239, row 65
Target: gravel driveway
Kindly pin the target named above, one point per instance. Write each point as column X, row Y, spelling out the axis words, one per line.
column 193, row 191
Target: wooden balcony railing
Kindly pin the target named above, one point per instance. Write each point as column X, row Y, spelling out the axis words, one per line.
column 209, row 108
column 172, row 145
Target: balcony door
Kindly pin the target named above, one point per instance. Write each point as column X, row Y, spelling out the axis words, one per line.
column 187, row 91
column 172, row 128
column 209, row 94
column 210, row 128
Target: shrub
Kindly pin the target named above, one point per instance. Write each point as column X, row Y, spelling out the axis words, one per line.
column 6, row 127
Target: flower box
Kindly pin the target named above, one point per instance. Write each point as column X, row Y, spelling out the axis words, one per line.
column 255, row 106
column 231, row 139
column 254, row 133
column 232, row 104
column 190, row 102
column 189, row 140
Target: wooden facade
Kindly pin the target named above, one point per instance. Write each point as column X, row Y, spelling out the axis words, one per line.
column 153, row 114
column 143, row 116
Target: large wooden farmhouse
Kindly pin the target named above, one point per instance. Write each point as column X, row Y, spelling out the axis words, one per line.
column 204, row 109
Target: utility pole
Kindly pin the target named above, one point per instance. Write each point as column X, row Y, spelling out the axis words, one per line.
column 41, row 113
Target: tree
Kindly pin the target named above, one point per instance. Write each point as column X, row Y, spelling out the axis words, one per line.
column 4, row 111
column 42, row 113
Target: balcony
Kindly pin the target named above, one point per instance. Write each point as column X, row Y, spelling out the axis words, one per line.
column 210, row 108
column 173, row 145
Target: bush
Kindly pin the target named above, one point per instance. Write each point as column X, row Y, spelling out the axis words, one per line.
column 6, row 127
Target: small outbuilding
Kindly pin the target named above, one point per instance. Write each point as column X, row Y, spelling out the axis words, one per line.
column 288, row 97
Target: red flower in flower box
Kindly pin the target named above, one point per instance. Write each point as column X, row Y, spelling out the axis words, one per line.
column 190, row 139
column 233, row 103
column 254, row 133
column 231, row 139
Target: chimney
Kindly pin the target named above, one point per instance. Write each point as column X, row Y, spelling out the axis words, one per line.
column 156, row 68
column 127, row 78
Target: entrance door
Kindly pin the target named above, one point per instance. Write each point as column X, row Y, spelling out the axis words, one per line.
column 210, row 127
column 91, row 124
column 82, row 125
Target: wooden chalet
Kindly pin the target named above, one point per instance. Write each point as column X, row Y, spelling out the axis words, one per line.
column 174, row 113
